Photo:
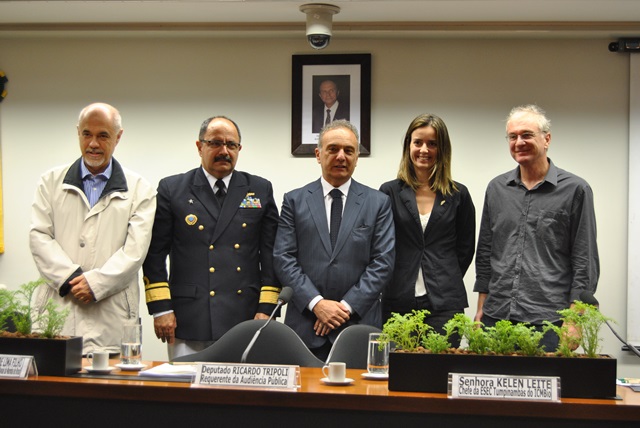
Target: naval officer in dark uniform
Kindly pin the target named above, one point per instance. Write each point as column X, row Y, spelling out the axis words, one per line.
column 217, row 226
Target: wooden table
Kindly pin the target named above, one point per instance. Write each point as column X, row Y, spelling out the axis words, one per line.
column 105, row 401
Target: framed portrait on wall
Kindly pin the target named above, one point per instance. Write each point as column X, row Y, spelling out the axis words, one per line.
column 327, row 88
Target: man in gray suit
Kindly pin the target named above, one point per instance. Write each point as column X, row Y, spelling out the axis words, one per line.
column 337, row 260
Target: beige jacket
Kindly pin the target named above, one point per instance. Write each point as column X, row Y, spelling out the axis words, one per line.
column 107, row 242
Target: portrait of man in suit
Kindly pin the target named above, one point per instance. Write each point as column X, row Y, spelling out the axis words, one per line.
column 330, row 104
column 218, row 226
column 335, row 245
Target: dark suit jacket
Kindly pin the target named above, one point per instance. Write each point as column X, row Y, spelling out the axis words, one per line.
column 356, row 271
column 342, row 112
column 219, row 259
column 444, row 250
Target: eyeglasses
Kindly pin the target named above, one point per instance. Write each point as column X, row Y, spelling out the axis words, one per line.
column 525, row 136
column 216, row 144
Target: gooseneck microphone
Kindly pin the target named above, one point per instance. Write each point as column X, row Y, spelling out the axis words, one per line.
column 283, row 299
column 589, row 298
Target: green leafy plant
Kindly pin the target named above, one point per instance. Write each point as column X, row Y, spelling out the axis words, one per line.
column 17, row 306
column 502, row 338
column 53, row 319
column 581, row 325
column 6, row 300
column 528, row 339
column 506, row 338
column 470, row 330
column 408, row 331
column 436, row 342
column 567, row 342
column 21, row 306
column 478, row 341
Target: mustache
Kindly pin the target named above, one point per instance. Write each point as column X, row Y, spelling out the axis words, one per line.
column 222, row 158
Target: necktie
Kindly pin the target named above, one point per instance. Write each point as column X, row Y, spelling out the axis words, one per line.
column 336, row 215
column 221, row 192
column 328, row 119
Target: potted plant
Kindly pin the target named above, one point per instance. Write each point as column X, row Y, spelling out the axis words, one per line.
column 54, row 354
column 424, row 358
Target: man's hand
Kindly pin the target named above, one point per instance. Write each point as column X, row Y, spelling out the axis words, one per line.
column 165, row 327
column 321, row 329
column 479, row 311
column 331, row 315
column 80, row 290
column 261, row 316
column 573, row 335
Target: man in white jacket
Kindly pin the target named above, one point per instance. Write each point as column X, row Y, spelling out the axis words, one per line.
column 91, row 226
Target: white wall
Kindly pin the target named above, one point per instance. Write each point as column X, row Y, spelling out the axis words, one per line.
column 165, row 86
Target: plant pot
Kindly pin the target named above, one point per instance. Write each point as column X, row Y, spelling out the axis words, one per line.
column 580, row 377
column 54, row 357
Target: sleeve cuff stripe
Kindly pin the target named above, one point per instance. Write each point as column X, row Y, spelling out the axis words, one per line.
column 160, row 293
column 156, row 285
column 269, row 295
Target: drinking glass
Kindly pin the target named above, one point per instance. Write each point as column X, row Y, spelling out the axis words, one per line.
column 378, row 355
column 131, row 346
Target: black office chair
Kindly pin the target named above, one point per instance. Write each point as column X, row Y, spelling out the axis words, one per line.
column 352, row 345
column 276, row 344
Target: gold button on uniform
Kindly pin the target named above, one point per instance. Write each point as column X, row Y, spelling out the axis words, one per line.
column 239, row 291
column 244, row 224
column 238, row 269
column 236, row 246
column 210, row 247
column 212, row 293
column 212, row 270
column 201, row 227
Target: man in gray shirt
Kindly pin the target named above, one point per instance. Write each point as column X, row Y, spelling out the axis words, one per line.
column 537, row 247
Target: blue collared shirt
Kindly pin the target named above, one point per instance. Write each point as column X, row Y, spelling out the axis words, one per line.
column 94, row 184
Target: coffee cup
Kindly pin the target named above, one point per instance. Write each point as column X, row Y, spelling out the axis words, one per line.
column 335, row 372
column 99, row 360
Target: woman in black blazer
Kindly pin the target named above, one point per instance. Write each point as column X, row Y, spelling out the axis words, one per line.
column 434, row 219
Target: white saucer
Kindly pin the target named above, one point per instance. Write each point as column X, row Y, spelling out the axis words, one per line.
column 131, row 367
column 346, row 381
column 375, row 376
column 106, row 370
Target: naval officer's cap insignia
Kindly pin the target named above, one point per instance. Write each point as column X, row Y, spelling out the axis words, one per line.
column 191, row 219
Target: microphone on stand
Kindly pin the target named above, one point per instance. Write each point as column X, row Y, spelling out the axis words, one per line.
column 283, row 299
column 589, row 298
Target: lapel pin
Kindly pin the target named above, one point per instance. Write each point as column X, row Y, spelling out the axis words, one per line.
column 191, row 219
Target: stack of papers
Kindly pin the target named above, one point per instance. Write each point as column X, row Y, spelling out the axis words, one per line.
column 186, row 371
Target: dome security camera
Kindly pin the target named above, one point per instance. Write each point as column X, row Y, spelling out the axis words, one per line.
column 319, row 16
column 319, row 41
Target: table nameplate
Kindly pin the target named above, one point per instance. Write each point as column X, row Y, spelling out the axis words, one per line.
column 258, row 376
column 504, row 387
column 17, row 366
